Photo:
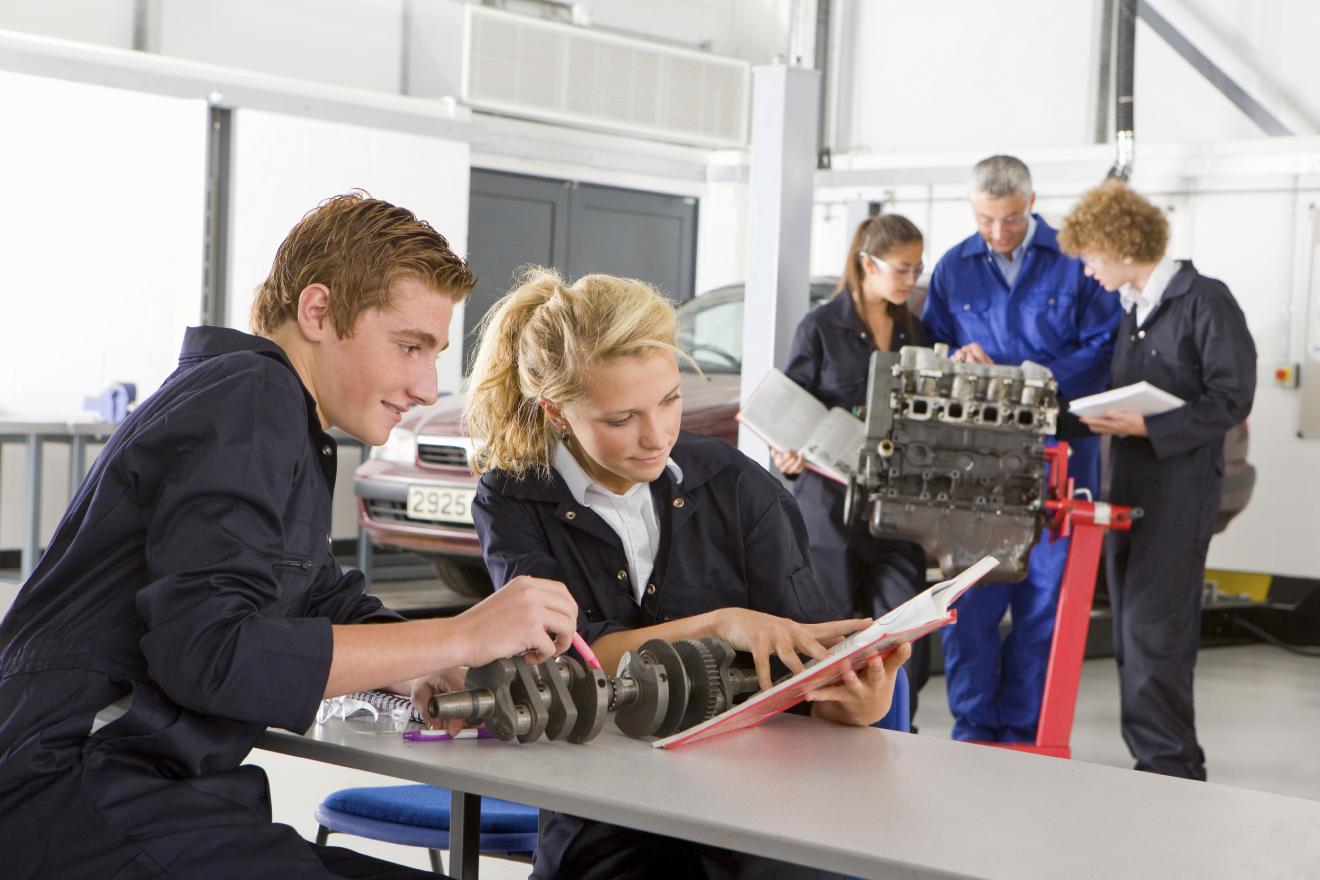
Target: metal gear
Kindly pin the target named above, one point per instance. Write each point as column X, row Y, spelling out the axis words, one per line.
column 704, row 672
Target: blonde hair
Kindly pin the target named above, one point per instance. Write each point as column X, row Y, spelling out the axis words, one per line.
column 540, row 341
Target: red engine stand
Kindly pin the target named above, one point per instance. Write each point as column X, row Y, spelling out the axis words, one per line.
column 1086, row 523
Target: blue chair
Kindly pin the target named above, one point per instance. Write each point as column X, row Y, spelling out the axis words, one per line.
column 418, row 815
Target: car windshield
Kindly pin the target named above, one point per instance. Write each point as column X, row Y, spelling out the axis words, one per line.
column 710, row 327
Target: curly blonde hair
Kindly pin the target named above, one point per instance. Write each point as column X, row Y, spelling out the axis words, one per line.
column 1115, row 220
column 541, row 341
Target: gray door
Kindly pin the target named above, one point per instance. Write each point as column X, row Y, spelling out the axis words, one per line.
column 634, row 234
column 514, row 219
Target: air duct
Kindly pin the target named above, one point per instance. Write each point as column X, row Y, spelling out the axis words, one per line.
column 1125, row 46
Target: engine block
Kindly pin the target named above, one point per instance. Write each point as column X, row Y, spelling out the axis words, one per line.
column 954, row 457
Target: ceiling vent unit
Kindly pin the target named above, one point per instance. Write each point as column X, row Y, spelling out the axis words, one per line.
column 520, row 66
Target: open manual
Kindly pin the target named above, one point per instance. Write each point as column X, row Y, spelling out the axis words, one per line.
column 786, row 416
column 922, row 614
column 1141, row 398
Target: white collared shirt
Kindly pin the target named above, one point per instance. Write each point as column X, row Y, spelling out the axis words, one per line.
column 1146, row 299
column 1012, row 264
column 631, row 515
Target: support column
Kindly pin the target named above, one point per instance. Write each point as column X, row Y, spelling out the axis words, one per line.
column 785, row 106
column 32, row 526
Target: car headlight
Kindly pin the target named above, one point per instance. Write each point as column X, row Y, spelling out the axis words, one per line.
column 400, row 448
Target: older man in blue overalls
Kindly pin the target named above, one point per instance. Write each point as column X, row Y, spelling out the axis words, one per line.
column 1005, row 295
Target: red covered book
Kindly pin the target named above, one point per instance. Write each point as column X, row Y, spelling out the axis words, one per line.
column 922, row 614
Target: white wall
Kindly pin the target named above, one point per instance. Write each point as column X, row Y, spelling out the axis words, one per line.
column 284, row 166
column 341, row 42
column 945, row 74
column 104, row 22
column 1013, row 75
column 103, row 234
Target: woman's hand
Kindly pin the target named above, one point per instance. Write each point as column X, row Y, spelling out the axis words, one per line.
column 790, row 462
column 1122, row 422
column 764, row 635
column 863, row 697
column 422, row 689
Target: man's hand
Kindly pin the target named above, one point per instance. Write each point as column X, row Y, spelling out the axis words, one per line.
column 972, row 353
column 789, row 462
column 520, row 618
column 765, row 634
column 1121, row 422
column 864, row 697
column 445, row 682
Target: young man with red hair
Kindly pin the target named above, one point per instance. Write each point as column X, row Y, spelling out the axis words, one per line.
column 189, row 599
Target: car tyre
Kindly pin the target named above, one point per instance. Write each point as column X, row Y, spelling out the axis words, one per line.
column 464, row 578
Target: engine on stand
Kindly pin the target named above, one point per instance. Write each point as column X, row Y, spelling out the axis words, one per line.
column 954, row 457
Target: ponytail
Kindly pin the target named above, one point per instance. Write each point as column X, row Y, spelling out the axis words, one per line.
column 508, row 428
column 540, row 341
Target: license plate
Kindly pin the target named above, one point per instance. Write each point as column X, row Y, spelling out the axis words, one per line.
column 445, row 504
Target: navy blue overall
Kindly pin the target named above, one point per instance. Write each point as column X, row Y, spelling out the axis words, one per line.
column 730, row 536
column 1053, row 315
column 191, row 575
column 1194, row 344
column 831, row 357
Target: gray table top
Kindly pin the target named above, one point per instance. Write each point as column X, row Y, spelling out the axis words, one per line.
column 870, row 803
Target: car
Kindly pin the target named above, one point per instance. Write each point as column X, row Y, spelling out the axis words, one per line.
column 416, row 491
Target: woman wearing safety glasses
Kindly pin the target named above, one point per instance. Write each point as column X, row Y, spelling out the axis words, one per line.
column 830, row 358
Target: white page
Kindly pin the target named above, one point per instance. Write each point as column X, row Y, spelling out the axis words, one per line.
column 781, row 412
column 835, row 444
column 916, row 617
column 1142, row 398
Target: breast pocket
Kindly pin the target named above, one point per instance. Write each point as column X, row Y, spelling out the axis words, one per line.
column 1172, row 361
column 971, row 314
column 1049, row 318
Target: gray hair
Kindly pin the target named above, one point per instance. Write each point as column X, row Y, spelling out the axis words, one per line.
column 1000, row 176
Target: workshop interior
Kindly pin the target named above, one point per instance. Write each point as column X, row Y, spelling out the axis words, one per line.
column 1071, row 479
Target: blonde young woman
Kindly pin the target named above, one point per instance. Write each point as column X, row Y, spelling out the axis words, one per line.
column 587, row 478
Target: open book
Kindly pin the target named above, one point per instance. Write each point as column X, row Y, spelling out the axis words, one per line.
column 1142, row 398
column 786, row 416
column 922, row 614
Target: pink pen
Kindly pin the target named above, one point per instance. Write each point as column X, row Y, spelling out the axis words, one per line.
column 585, row 650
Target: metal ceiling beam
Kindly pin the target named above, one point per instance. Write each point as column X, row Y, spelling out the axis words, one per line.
column 1269, row 118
